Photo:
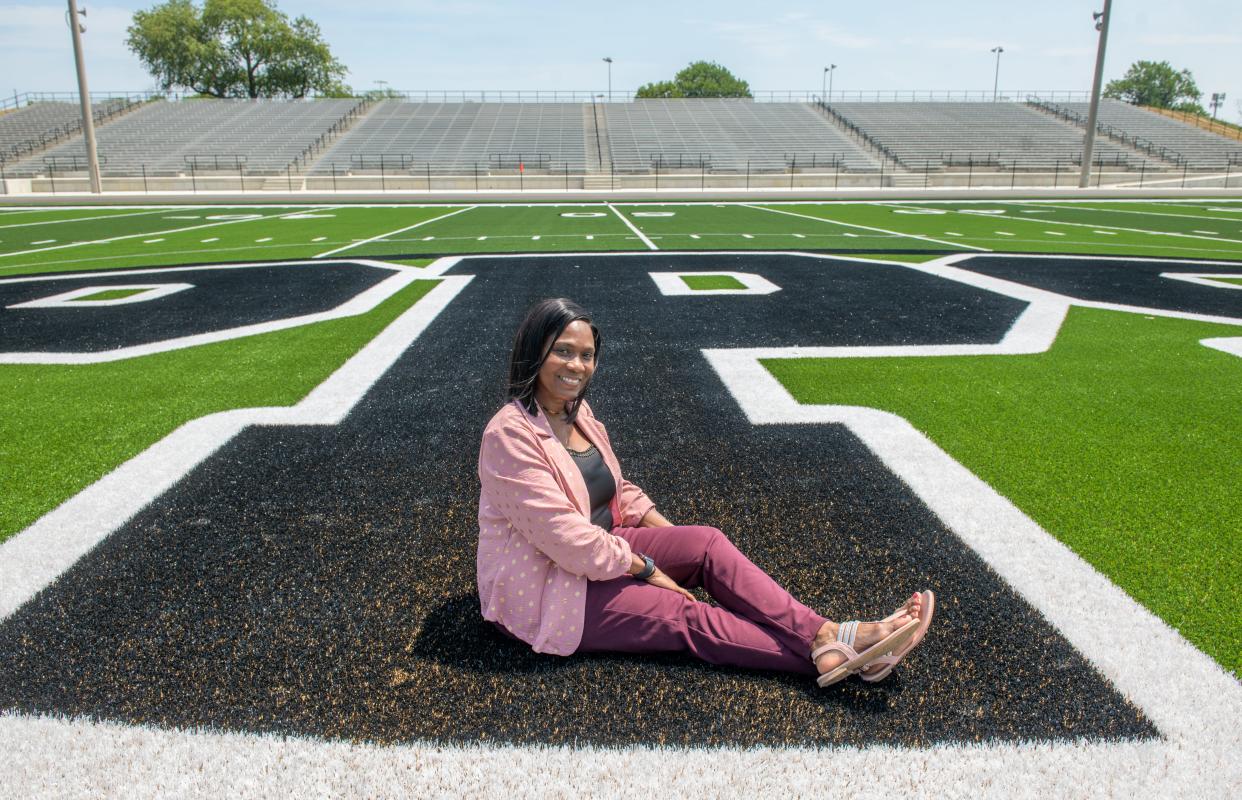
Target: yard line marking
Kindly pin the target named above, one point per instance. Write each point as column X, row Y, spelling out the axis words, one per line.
column 151, row 241
column 650, row 244
column 590, row 236
column 264, row 239
column 148, row 233
column 1097, row 228
column 1210, row 233
column 747, row 236
column 393, row 233
column 319, row 238
column 1054, row 233
column 484, row 238
column 81, row 219
column 1107, row 233
column 695, row 236
column 1130, row 211
column 535, row 238
column 212, row 239
column 799, row 236
column 952, row 233
column 1005, row 233
column 44, row 241
column 869, row 228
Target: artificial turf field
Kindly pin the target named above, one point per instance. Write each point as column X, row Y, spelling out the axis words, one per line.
column 270, row 590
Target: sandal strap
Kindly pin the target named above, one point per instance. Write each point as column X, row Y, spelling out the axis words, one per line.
column 847, row 632
column 849, row 652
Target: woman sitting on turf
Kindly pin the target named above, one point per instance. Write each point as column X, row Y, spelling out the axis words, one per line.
column 574, row 558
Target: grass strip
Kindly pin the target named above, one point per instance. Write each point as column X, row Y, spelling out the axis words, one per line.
column 701, row 283
column 1121, row 441
column 111, row 294
column 64, row 427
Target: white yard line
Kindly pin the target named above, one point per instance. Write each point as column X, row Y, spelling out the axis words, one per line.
column 954, row 245
column 155, row 233
column 650, row 244
column 1120, row 211
column 392, row 233
column 82, row 219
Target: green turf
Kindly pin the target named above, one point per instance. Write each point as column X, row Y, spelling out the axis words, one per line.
column 1122, row 441
column 64, row 427
column 277, row 234
column 1234, row 281
column 110, row 294
column 709, row 282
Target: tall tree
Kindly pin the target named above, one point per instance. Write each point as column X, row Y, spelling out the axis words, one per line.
column 234, row 48
column 700, row 79
column 1156, row 83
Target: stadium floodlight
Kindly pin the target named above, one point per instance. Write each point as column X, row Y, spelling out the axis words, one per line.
column 996, row 80
column 76, row 28
column 608, row 61
column 1218, row 98
column 827, row 95
column 1102, row 19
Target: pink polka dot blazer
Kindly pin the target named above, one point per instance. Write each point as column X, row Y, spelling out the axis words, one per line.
column 537, row 546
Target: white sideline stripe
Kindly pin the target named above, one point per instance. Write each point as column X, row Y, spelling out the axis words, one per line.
column 955, row 245
column 79, row 219
column 1188, row 697
column 358, row 304
column 650, row 244
column 35, row 557
column 392, row 233
column 1204, row 279
column 149, row 233
column 1108, row 229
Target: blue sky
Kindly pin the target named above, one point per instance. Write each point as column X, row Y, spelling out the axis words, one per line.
column 475, row 44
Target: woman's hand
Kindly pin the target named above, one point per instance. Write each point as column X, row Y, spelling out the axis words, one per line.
column 658, row 578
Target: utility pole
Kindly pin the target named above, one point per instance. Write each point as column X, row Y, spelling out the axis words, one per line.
column 1102, row 19
column 88, row 121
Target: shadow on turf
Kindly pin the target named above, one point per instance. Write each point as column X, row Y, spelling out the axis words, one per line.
column 455, row 635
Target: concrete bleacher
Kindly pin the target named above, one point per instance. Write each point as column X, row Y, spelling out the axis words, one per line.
column 1196, row 147
column 163, row 138
column 34, row 126
column 939, row 135
column 729, row 135
column 400, row 136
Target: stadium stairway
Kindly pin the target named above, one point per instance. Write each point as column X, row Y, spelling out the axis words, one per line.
column 1050, row 110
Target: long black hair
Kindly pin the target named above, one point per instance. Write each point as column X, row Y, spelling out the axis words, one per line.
column 544, row 323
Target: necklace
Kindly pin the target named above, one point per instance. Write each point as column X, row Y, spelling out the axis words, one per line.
column 561, row 418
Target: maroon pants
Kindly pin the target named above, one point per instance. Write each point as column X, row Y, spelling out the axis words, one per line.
column 757, row 624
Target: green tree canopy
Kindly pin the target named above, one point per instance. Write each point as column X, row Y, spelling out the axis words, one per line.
column 1156, row 83
column 700, row 79
column 234, row 48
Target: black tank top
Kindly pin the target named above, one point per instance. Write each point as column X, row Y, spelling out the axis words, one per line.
column 600, row 485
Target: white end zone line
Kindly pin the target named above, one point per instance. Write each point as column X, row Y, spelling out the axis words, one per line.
column 391, row 233
column 650, row 244
column 954, row 245
column 358, row 304
column 1193, row 703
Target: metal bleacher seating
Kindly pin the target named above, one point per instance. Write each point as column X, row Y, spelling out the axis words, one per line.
column 36, row 126
column 938, row 135
column 398, row 136
column 1196, row 147
column 166, row 138
column 727, row 135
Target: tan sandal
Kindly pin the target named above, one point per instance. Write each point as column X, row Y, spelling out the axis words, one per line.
column 854, row 660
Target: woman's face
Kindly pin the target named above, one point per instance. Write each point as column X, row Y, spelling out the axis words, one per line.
column 568, row 367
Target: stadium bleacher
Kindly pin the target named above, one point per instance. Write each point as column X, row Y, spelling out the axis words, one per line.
column 33, row 127
column 1198, row 148
column 455, row 137
column 263, row 137
column 728, row 134
column 949, row 134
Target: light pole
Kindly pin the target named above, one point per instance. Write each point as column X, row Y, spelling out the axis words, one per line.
column 827, row 95
column 1217, row 99
column 996, row 80
column 608, row 61
column 88, row 122
column 1102, row 19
